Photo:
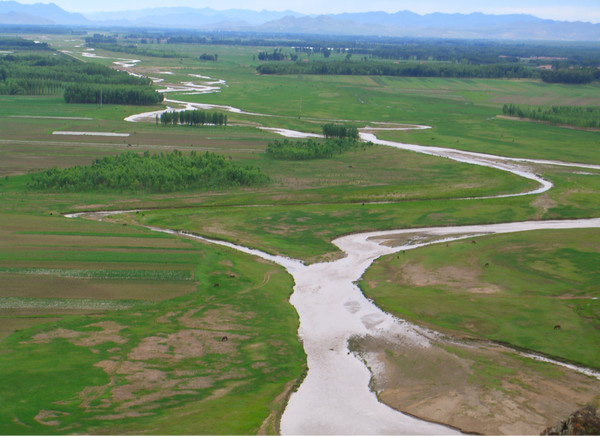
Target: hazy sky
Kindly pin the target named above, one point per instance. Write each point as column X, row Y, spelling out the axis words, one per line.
column 569, row 10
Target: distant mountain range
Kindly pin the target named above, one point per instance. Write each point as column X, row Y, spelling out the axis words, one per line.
column 403, row 23
column 12, row 12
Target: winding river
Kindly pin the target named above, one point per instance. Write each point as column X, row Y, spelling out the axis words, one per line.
column 335, row 398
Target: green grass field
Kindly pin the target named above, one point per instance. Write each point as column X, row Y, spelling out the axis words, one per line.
column 510, row 288
column 148, row 348
column 136, row 314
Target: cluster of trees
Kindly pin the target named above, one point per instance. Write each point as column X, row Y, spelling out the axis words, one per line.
column 572, row 76
column 16, row 43
column 98, row 38
column 332, row 130
column 188, row 39
column 79, row 82
column 276, row 55
column 51, row 74
column 310, row 148
column 576, row 116
column 209, row 57
column 111, row 94
column 151, row 173
column 14, row 86
column 377, row 68
column 193, row 118
column 136, row 50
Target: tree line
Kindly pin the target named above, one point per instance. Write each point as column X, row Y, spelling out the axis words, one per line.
column 576, row 116
column 378, row 68
column 403, row 48
column 99, row 38
column 406, row 48
column 112, row 94
column 51, row 74
column 193, row 118
column 209, row 57
column 575, row 76
column 151, row 173
column 332, row 130
column 276, row 55
column 66, row 69
column 16, row 43
column 136, row 50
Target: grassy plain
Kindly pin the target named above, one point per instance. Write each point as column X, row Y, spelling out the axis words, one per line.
column 158, row 335
column 140, row 318
column 510, row 288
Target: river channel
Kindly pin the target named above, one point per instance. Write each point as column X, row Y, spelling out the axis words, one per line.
column 335, row 397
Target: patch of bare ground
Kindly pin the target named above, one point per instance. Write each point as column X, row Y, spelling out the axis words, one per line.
column 91, row 394
column 108, row 333
column 483, row 389
column 328, row 257
column 12, row 320
column 184, row 344
column 49, row 417
column 218, row 229
column 409, row 238
column 543, row 203
column 129, row 414
column 140, row 383
column 156, row 370
column 220, row 319
column 59, row 333
column 166, row 318
column 464, row 279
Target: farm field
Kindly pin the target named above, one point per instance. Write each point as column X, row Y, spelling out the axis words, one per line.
column 141, row 316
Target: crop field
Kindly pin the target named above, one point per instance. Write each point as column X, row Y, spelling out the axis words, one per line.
column 171, row 335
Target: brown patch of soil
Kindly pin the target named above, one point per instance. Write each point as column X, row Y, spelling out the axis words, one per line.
column 328, row 257
column 221, row 319
column 542, row 203
column 48, row 417
column 109, row 333
column 183, row 344
column 92, row 393
column 463, row 279
column 59, row 333
column 140, row 382
column 484, row 389
column 116, row 416
column 166, row 318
